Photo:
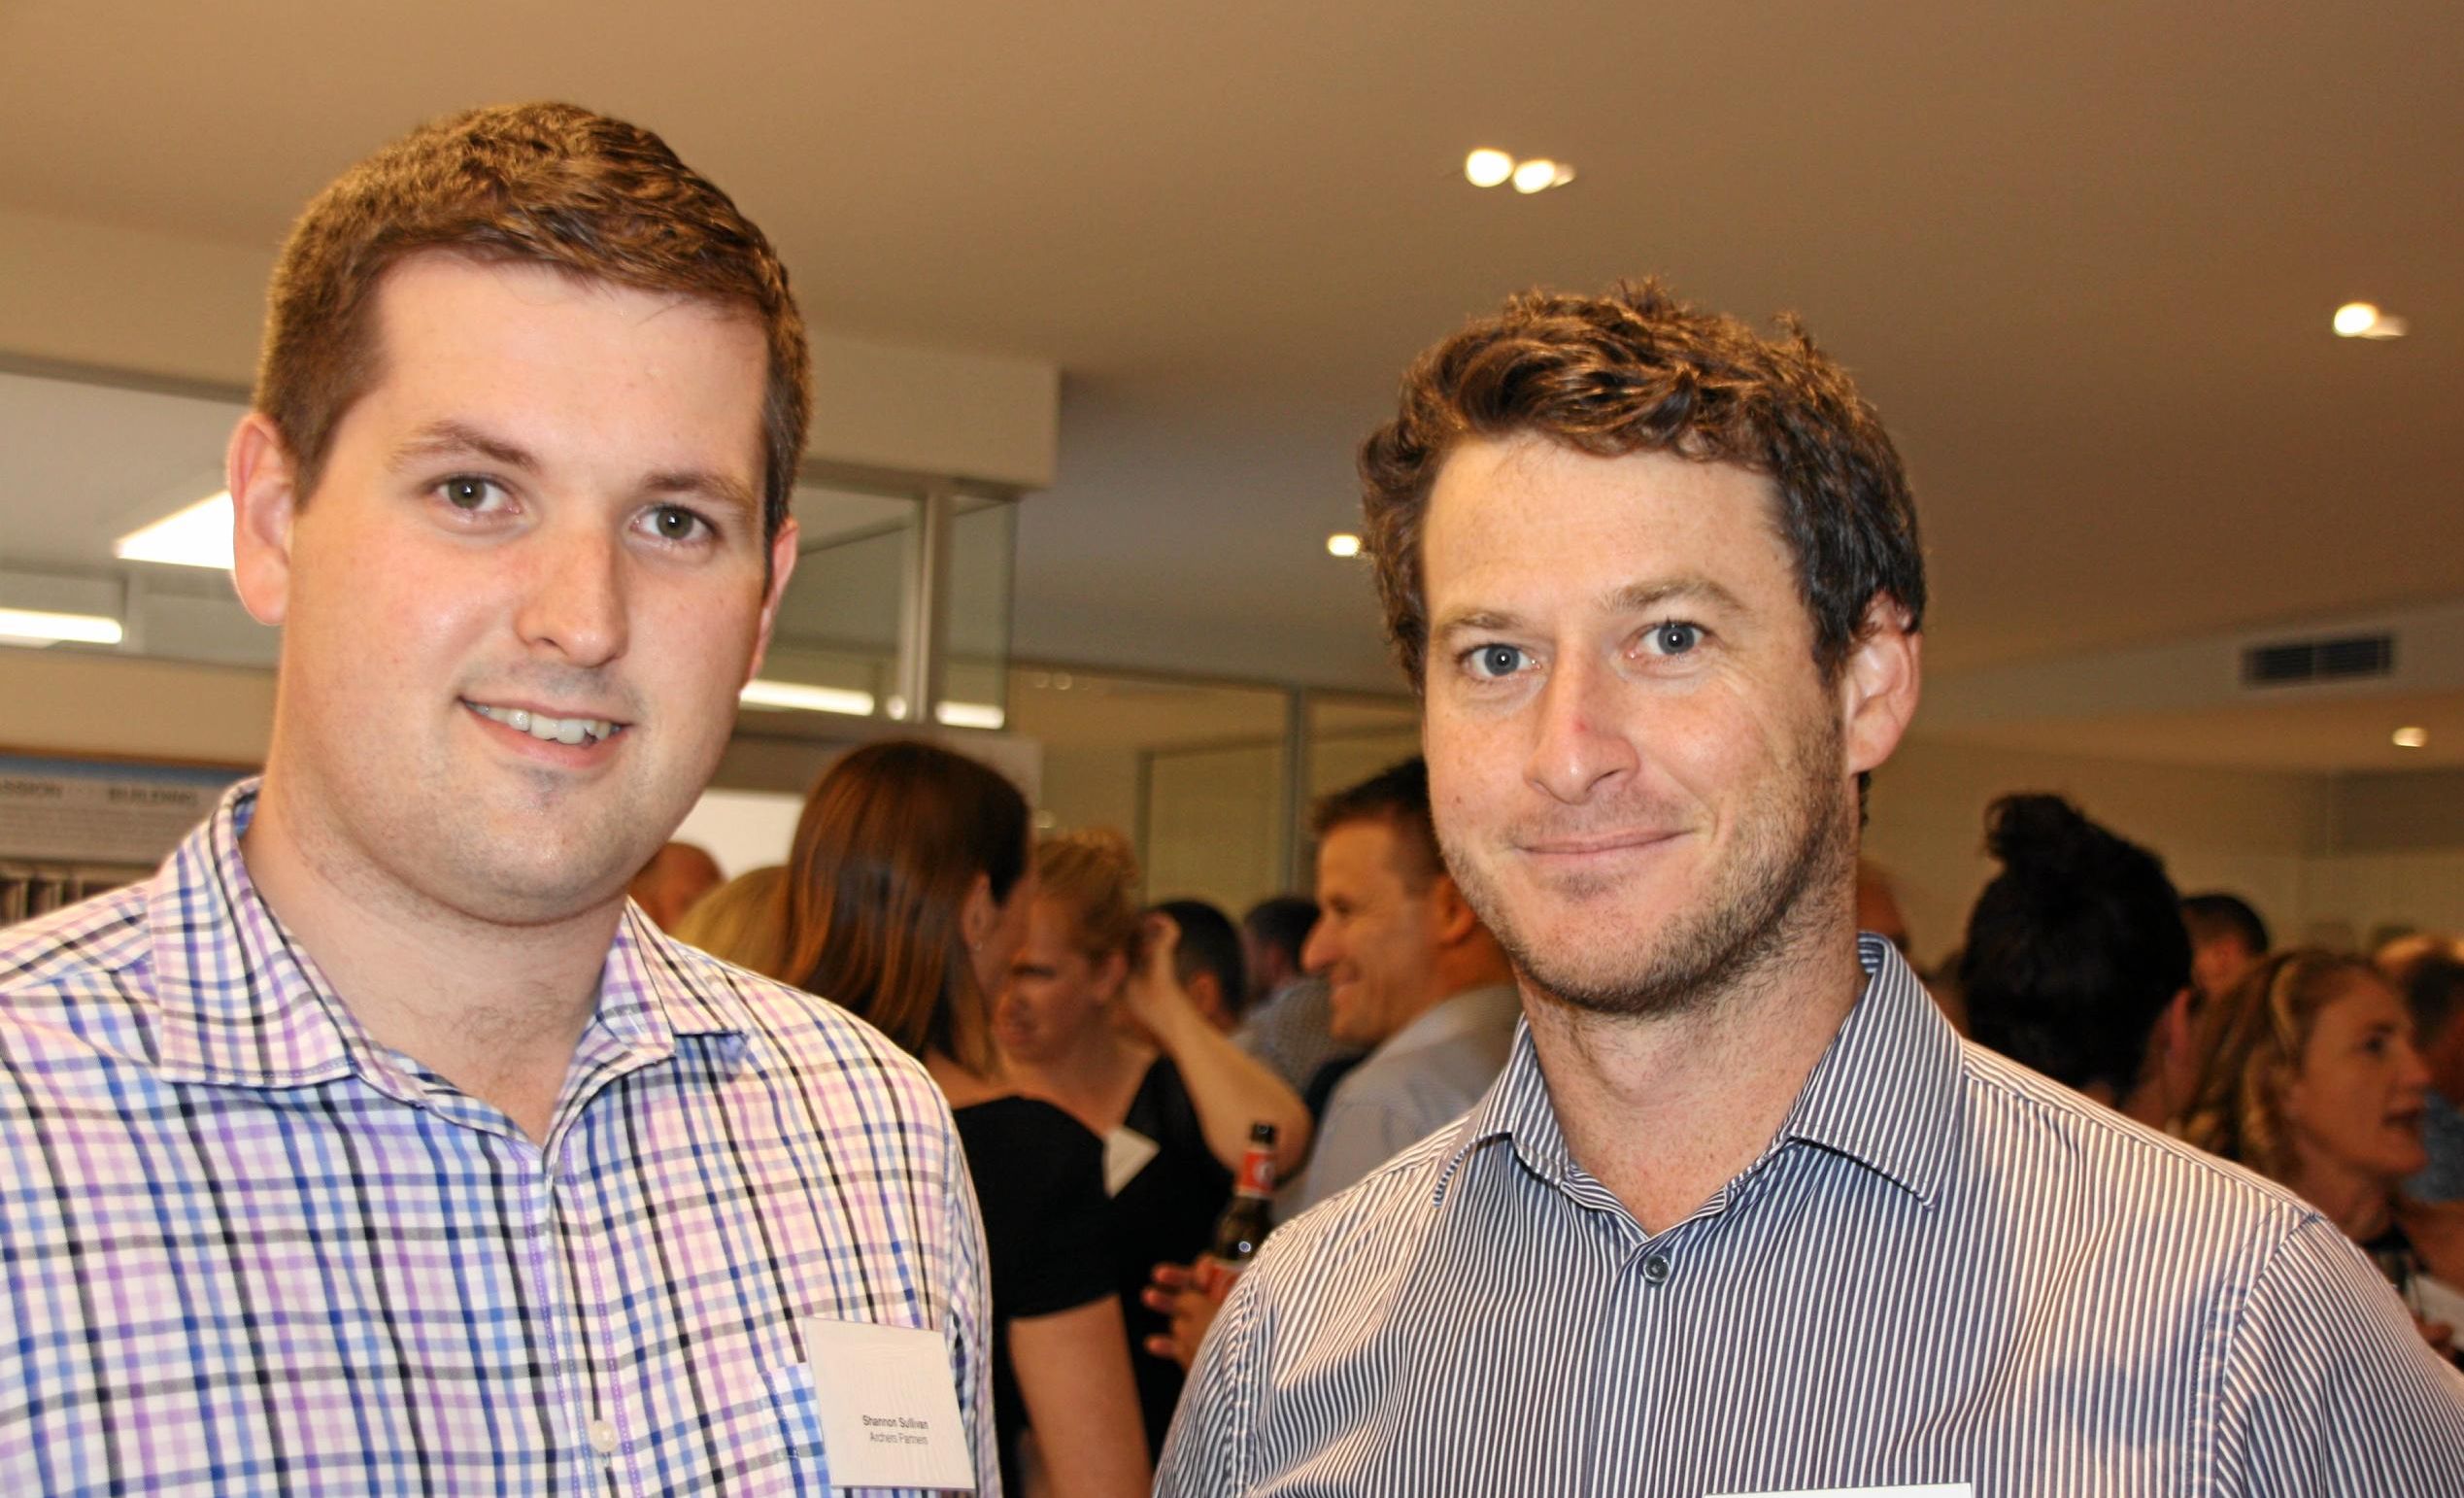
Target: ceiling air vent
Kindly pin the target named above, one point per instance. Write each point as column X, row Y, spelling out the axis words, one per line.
column 2347, row 659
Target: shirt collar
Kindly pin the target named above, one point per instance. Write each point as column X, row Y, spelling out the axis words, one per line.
column 1458, row 1013
column 241, row 1003
column 1886, row 1094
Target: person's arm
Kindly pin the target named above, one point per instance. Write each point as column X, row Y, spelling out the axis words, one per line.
column 1212, row 1451
column 1073, row 1376
column 2328, row 1388
column 1230, row 1088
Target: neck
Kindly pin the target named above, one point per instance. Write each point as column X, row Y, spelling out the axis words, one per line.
column 1665, row 1108
column 2360, row 1205
column 494, row 1010
column 1093, row 1080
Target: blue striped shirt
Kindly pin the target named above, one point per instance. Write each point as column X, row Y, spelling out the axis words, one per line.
column 244, row 1249
column 1944, row 1270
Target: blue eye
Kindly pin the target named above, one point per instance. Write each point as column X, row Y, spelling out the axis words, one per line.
column 1675, row 637
column 1490, row 661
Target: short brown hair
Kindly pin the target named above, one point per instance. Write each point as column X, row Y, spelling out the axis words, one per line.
column 545, row 183
column 1396, row 797
column 1634, row 371
column 893, row 838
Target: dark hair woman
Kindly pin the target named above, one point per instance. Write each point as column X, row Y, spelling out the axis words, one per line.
column 908, row 896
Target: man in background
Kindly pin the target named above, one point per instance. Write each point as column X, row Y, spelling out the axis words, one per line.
column 2227, row 939
column 375, row 1144
column 673, row 882
column 2428, row 970
column 1411, row 974
column 1207, row 961
column 1286, row 1023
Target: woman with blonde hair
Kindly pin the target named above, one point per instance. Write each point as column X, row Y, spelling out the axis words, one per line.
column 743, row 921
column 907, row 894
column 1094, row 1020
column 2312, row 1081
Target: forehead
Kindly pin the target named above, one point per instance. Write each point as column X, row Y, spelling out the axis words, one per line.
column 519, row 338
column 2361, row 1002
column 1359, row 857
column 1544, row 523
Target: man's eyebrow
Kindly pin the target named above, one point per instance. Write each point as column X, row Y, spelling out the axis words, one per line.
column 1692, row 588
column 451, row 438
column 1476, row 621
column 723, row 489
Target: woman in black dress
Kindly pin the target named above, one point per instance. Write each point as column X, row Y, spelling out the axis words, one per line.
column 907, row 894
column 1094, row 1020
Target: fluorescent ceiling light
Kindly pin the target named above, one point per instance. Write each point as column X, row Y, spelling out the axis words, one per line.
column 802, row 699
column 969, row 715
column 197, row 536
column 26, row 626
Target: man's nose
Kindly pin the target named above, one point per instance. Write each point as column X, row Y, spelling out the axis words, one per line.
column 1580, row 741
column 575, row 604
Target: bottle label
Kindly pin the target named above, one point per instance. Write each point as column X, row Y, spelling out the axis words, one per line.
column 1256, row 1173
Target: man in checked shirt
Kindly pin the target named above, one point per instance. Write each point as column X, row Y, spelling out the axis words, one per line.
column 1743, row 1214
column 377, row 1144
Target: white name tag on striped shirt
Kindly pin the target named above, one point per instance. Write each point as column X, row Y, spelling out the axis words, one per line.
column 888, row 1405
column 1921, row 1491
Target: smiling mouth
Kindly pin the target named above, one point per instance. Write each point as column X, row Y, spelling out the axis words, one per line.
column 554, row 731
column 1607, row 843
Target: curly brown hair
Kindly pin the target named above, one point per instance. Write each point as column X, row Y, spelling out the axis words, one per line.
column 2256, row 1040
column 545, row 183
column 1635, row 371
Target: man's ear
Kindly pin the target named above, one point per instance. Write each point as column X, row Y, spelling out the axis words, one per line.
column 263, row 480
column 1452, row 920
column 783, row 555
column 1879, row 684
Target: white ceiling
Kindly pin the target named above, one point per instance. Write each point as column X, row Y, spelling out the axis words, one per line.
column 2082, row 256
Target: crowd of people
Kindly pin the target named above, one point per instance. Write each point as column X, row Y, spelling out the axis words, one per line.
column 380, row 1144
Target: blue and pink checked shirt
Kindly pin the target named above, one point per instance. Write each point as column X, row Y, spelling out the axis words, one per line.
column 244, row 1249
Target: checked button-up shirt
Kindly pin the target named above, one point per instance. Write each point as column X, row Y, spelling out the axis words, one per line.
column 245, row 1248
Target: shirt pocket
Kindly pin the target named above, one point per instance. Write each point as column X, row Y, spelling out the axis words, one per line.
column 800, row 1416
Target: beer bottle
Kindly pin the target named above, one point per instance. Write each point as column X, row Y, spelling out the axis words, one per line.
column 1243, row 1225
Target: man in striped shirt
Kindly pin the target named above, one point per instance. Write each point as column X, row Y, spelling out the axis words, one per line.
column 1742, row 1215
column 377, row 1144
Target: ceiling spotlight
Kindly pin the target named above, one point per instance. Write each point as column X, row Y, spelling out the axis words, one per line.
column 1342, row 544
column 2361, row 320
column 39, row 626
column 1538, row 175
column 2413, row 737
column 1487, row 167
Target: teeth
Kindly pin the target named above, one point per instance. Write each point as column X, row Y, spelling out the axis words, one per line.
column 559, row 731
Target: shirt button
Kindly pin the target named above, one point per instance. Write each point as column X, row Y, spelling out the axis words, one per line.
column 1655, row 1270
column 603, row 1437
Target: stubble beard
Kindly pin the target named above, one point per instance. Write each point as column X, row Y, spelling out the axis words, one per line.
column 1793, row 860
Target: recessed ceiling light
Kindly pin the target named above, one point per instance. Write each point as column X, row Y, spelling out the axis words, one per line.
column 196, row 536
column 2413, row 737
column 2361, row 319
column 34, row 627
column 1538, row 175
column 1342, row 544
column 1487, row 167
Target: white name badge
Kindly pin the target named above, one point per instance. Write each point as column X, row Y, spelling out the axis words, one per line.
column 1920, row 1490
column 888, row 1409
